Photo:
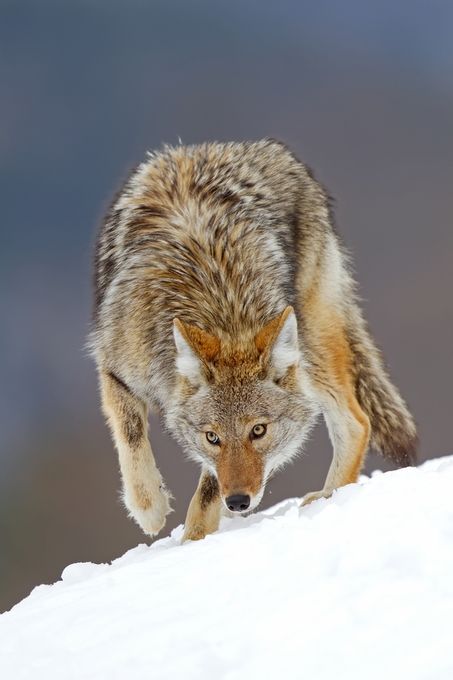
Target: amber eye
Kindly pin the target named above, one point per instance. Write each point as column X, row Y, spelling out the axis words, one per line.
column 212, row 438
column 258, row 431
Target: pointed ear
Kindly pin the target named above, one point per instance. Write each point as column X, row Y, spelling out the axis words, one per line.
column 194, row 349
column 278, row 342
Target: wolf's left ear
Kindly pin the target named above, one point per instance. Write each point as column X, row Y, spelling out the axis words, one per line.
column 195, row 348
column 278, row 342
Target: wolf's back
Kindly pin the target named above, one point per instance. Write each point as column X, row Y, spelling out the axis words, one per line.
column 211, row 229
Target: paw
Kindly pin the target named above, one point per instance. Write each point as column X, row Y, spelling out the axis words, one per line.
column 149, row 506
column 315, row 496
column 194, row 533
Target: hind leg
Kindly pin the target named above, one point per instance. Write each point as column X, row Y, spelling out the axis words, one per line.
column 204, row 511
column 144, row 492
column 348, row 425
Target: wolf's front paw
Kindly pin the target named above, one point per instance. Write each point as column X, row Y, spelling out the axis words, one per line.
column 149, row 506
column 315, row 496
column 194, row 533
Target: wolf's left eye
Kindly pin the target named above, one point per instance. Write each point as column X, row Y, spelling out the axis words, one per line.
column 258, row 431
column 213, row 438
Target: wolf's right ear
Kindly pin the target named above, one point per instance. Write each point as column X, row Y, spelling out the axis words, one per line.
column 195, row 348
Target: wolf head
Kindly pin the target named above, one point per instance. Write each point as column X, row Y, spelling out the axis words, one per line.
column 241, row 409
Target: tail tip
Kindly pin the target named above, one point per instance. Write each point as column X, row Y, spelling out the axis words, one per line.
column 403, row 452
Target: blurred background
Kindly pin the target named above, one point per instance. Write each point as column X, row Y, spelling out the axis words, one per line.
column 361, row 91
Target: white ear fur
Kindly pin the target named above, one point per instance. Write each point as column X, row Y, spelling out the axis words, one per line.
column 285, row 351
column 187, row 362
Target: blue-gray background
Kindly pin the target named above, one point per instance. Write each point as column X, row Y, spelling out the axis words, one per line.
column 362, row 91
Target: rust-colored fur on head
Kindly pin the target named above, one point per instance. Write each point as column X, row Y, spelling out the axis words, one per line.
column 224, row 300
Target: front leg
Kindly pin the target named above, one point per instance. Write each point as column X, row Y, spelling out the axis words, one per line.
column 203, row 515
column 348, row 425
column 349, row 431
column 144, row 492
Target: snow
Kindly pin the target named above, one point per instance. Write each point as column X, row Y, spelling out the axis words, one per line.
column 357, row 586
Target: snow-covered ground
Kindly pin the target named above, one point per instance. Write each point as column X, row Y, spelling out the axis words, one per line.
column 358, row 586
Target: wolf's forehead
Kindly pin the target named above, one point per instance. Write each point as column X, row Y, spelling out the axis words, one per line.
column 241, row 403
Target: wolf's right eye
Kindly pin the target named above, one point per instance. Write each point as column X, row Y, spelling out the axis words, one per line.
column 258, row 431
column 212, row 438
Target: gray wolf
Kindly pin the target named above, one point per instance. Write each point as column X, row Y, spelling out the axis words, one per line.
column 225, row 302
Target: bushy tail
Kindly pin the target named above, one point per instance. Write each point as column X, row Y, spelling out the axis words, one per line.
column 393, row 431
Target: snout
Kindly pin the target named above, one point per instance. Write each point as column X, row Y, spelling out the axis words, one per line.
column 238, row 502
column 240, row 472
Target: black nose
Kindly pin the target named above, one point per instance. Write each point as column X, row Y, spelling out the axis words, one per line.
column 238, row 503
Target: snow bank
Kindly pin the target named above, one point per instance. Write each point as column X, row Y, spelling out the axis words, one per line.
column 359, row 586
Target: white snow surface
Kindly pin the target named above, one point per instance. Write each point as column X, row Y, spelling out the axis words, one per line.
column 357, row 586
